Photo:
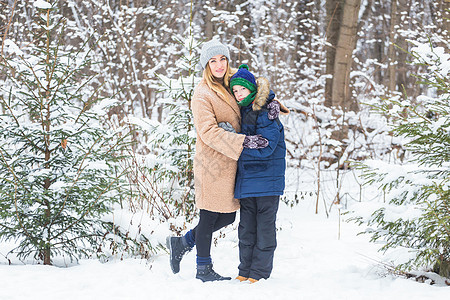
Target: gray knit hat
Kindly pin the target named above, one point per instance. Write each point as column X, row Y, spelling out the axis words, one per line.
column 211, row 49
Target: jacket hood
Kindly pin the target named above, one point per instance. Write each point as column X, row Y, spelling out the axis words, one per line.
column 265, row 95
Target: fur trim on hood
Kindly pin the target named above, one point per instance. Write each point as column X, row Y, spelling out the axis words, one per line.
column 263, row 94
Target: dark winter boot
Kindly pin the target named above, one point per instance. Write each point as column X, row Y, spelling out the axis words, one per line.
column 206, row 273
column 177, row 248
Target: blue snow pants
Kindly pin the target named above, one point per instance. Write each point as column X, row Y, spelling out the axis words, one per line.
column 257, row 236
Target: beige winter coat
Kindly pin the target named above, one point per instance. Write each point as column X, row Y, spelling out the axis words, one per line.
column 217, row 150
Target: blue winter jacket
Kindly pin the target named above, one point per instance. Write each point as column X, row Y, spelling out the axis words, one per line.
column 261, row 171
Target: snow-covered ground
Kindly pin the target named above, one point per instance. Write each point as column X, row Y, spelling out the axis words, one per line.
column 317, row 258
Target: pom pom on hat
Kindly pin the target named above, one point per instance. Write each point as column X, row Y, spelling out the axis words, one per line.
column 243, row 66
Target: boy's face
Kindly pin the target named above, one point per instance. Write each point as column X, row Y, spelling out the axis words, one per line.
column 240, row 92
column 218, row 65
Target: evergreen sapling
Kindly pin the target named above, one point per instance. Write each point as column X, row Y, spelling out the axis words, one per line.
column 416, row 213
column 59, row 171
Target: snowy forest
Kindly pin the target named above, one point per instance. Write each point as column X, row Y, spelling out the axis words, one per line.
column 97, row 138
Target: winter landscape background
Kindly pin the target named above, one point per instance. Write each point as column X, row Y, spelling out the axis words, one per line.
column 97, row 145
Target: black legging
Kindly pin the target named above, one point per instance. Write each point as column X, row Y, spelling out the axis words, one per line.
column 209, row 222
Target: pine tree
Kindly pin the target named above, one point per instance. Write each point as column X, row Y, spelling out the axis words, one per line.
column 59, row 171
column 416, row 214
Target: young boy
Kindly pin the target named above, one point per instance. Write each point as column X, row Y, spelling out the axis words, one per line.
column 260, row 176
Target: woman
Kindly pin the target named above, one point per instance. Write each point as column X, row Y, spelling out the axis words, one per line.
column 215, row 162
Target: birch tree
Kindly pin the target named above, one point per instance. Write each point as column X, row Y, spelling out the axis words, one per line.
column 341, row 95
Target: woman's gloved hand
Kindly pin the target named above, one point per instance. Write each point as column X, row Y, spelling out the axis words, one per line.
column 274, row 110
column 255, row 142
column 227, row 126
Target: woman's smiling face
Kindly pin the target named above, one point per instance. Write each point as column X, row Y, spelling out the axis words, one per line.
column 218, row 65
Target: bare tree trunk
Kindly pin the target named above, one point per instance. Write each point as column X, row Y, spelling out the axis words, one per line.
column 304, row 12
column 440, row 13
column 47, row 152
column 5, row 22
column 334, row 13
column 391, row 50
column 381, row 12
column 446, row 18
column 341, row 95
column 401, row 66
column 244, row 29
column 208, row 24
column 141, row 92
column 364, row 21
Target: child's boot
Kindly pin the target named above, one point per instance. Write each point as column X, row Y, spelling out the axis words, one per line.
column 241, row 278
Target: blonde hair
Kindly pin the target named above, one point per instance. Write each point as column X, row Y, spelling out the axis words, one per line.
column 216, row 84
